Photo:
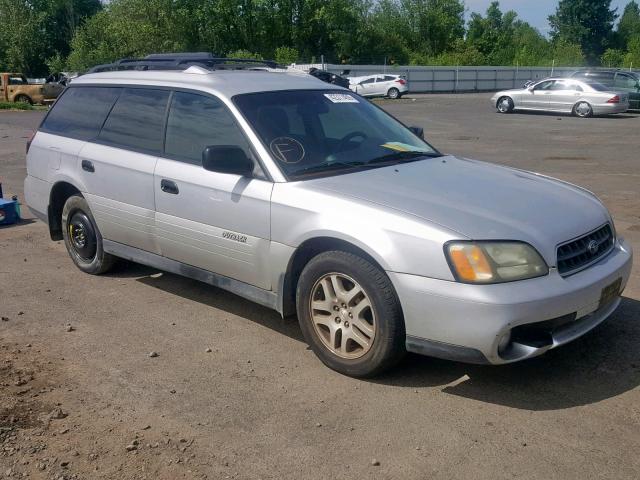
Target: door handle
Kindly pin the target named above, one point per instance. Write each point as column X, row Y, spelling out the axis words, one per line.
column 87, row 166
column 167, row 186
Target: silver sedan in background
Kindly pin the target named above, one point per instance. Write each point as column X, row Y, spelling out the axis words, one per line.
column 583, row 99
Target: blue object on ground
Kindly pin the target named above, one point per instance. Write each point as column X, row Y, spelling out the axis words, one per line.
column 8, row 212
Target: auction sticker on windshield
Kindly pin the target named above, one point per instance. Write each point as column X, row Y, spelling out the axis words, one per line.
column 341, row 98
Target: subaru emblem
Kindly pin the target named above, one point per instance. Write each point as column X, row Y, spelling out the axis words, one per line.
column 593, row 247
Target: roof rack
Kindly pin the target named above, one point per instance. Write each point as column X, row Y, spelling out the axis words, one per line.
column 182, row 61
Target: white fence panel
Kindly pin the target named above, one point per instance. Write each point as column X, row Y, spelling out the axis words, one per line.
column 452, row 79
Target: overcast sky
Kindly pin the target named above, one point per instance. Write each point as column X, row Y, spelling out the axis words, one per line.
column 533, row 11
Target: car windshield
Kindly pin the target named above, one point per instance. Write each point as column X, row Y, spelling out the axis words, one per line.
column 311, row 132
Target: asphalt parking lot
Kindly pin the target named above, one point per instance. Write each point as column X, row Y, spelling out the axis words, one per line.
column 260, row 405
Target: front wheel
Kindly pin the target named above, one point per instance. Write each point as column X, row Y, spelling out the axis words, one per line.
column 393, row 93
column 505, row 105
column 582, row 110
column 22, row 99
column 349, row 314
column 82, row 237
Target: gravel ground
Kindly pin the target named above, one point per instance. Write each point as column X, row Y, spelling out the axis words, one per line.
column 234, row 392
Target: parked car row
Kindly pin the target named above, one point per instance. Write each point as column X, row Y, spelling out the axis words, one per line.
column 583, row 94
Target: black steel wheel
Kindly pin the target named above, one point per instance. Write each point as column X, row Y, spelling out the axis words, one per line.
column 82, row 237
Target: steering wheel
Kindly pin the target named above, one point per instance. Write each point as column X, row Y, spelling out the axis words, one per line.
column 348, row 137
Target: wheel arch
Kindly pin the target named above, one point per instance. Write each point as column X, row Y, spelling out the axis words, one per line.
column 59, row 194
column 21, row 94
column 303, row 254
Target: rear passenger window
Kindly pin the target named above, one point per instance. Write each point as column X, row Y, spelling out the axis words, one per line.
column 137, row 120
column 197, row 121
column 80, row 112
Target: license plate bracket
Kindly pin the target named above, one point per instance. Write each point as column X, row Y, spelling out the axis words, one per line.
column 610, row 292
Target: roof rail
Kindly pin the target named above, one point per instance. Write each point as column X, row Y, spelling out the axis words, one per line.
column 182, row 61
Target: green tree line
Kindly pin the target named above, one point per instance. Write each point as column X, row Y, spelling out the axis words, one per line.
column 39, row 36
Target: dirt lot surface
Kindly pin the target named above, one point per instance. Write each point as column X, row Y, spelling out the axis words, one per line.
column 80, row 396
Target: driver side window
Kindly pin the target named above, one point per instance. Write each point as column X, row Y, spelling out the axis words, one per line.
column 198, row 121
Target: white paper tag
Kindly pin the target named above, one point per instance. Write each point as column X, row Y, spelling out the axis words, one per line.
column 341, row 98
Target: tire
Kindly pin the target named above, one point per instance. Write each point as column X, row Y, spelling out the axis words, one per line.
column 82, row 237
column 393, row 93
column 373, row 316
column 22, row 99
column 505, row 105
column 582, row 110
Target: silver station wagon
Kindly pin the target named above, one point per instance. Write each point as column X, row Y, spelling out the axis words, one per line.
column 308, row 199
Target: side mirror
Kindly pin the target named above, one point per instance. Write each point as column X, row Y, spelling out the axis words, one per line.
column 227, row 159
column 418, row 131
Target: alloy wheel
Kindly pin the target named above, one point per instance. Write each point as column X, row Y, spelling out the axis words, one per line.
column 343, row 316
column 583, row 109
column 504, row 105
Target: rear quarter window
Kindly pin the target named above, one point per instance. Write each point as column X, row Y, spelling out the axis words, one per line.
column 80, row 112
column 136, row 120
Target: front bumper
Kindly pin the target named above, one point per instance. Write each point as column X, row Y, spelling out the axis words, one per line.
column 467, row 322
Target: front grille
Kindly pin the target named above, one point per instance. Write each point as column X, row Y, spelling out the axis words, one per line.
column 582, row 252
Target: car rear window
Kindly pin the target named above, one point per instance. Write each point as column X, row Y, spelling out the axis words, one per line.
column 598, row 86
column 80, row 112
column 136, row 121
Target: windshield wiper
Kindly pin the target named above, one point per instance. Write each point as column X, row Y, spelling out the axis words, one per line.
column 328, row 167
column 402, row 157
column 385, row 160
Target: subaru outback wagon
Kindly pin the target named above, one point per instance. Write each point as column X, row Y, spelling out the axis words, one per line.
column 306, row 198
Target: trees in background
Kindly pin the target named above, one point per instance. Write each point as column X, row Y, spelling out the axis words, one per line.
column 42, row 35
column 37, row 33
column 588, row 23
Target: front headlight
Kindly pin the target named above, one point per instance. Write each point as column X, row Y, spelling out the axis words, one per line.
column 494, row 261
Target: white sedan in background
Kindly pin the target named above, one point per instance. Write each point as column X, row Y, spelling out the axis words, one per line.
column 392, row 86
column 582, row 99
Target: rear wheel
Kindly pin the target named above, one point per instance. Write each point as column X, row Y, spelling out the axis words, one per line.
column 349, row 314
column 582, row 110
column 82, row 237
column 22, row 99
column 505, row 105
column 393, row 93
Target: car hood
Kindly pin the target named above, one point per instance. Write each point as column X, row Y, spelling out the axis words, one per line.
column 511, row 90
column 478, row 200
